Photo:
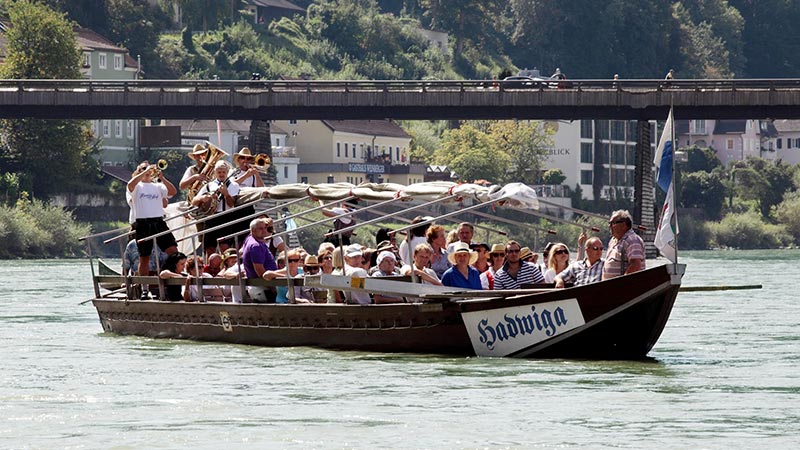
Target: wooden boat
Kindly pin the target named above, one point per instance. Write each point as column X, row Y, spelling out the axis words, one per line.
column 621, row 318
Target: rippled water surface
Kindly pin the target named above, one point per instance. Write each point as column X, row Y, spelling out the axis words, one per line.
column 725, row 374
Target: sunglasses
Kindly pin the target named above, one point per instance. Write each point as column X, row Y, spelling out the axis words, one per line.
column 561, row 252
column 512, row 251
column 614, row 222
column 310, row 269
column 594, row 248
column 498, row 255
column 294, row 260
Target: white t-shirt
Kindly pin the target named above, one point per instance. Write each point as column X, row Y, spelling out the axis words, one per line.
column 190, row 171
column 129, row 200
column 415, row 241
column 360, row 297
column 147, row 199
column 212, row 186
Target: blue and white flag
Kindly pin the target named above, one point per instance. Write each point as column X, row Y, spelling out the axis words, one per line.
column 668, row 223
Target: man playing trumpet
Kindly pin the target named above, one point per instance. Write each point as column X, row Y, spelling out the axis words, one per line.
column 148, row 201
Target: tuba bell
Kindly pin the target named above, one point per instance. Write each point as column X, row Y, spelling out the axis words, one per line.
column 214, row 155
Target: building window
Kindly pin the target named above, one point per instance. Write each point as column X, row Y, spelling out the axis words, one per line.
column 87, row 60
column 102, row 60
column 286, row 172
column 304, row 180
column 95, row 127
column 338, row 149
column 586, row 153
column 698, row 127
column 602, row 129
column 586, row 177
column 586, row 129
column 797, row 143
column 630, row 157
column 617, row 130
column 353, row 147
column 117, row 62
column 397, row 153
column 618, row 154
column 293, row 122
column 779, row 141
column 118, row 128
column 106, row 128
column 346, row 151
column 130, row 129
column 633, row 131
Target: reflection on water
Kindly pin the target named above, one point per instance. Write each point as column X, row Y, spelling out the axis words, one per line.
column 724, row 374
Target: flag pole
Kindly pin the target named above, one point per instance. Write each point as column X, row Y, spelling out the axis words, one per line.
column 674, row 186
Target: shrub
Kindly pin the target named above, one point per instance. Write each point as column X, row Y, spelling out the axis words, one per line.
column 748, row 231
column 34, row 229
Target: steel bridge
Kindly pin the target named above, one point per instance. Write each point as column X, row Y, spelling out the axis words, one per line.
column 468, row 99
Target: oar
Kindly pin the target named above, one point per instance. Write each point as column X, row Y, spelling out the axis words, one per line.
column 735, row 287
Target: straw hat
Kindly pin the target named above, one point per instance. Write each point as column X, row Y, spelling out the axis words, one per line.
column 525, row 253
column 311, row 261
column 498, row 248
column 197, row 151
column 462, row 247
column 229, row 253
column 243, row 153
column 385, row 245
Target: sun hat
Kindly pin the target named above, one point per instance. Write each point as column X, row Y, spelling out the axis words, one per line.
column 243, row 153
column 311, row 261
column 525, row 253
column 383, row 255
column 229, row 253
column 197, row 150
column 498, row 248
column 385, row 245
column 459, row 247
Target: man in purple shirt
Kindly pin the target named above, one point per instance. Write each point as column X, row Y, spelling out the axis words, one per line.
column 257, row 258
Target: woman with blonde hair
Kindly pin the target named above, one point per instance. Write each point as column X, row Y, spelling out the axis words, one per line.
column 557, row 261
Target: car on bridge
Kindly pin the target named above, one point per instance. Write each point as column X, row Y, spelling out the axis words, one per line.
column 526, row 82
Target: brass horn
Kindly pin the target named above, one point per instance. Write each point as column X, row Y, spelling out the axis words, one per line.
column 261, row 162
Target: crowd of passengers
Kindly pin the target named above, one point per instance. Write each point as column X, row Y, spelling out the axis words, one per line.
column 428, row 254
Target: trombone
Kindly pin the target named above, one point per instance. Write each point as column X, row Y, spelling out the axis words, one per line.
column 262, row 162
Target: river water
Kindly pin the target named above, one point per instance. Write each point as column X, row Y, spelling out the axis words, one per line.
column 725, row 374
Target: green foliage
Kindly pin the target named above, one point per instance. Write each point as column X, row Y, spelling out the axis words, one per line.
column 705, row 191
column 748, row 231
column 694, row 233
column 554, row 177
column 788, row 214
column 700, row 159
column 34, row 229
column 764, row 181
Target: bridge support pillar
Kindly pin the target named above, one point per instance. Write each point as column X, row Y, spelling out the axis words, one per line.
column 644, row 194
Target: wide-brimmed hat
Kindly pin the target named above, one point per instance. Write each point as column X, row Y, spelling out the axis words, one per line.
column 498, row 248
column 311, row 261
column 525, row 253
column 197, row 150
column 385, row 245
column 229, row 253
column 459, row 247
column 243, row 153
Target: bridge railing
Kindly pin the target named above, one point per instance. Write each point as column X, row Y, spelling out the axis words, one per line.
column 261, row 86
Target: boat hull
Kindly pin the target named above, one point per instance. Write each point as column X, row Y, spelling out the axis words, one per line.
column 621, row 319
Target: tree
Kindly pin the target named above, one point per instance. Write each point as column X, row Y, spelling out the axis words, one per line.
column 788, row 214
column 764, row 181
column 469, row 153
column 700, row 159
column 51, row 153
column 703, row 190
column 525, row 143
column 553, row 177
column 136, row 26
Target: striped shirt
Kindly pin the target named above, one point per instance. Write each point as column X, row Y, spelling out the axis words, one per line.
column 528, row 274
column 620, row 252
column 580, row 272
